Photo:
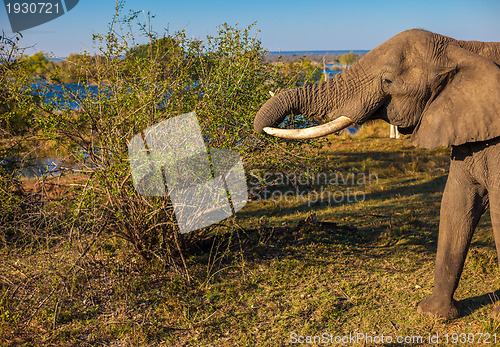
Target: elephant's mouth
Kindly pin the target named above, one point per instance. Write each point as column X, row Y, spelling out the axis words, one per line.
column 384, row 113
column 406, row 130
column 381, row 112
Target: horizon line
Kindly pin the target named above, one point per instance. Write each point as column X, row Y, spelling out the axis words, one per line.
column 318, row 51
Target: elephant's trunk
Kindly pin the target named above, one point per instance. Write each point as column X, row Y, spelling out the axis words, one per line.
column 274, row 111
column 318, row 101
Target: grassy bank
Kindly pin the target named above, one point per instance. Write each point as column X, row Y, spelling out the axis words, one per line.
column 280, row 267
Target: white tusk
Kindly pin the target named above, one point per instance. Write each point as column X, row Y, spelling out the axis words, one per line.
column 310, row 133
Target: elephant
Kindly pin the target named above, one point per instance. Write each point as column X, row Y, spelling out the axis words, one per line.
column 442, row 91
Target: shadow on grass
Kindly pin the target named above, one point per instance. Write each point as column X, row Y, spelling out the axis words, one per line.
column 276, row 242
column 469, row 305
column 406, row 188
column 381, row 160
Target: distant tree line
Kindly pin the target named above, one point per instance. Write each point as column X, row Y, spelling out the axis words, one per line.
column 343, row 60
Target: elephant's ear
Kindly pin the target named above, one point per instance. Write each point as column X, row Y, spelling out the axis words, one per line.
column 466, row 105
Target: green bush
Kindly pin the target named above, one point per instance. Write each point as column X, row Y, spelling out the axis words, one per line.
column 17, row 101
column 18, row 105
column 131, row 87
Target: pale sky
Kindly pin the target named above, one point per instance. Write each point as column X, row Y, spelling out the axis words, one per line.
column 284, row 25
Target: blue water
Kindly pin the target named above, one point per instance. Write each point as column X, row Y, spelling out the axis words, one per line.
column 54, row 93
column 33, row 166
column 44, row 166
column 331, row 72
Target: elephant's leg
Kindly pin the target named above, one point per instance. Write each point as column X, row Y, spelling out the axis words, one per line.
column 463, row 203
column 495, row 222
column 495, row 219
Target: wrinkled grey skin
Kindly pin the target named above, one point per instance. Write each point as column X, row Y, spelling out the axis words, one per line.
column 444, row 92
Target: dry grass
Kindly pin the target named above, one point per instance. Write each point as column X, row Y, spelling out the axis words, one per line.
column 277, row 268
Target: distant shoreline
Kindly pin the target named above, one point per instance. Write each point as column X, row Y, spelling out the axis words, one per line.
column 360, row 52
column 317, row 57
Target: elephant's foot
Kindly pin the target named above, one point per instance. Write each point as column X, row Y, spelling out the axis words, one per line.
column 495, row 314
column 438, row 307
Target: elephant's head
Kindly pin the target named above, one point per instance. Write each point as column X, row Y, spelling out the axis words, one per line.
column 442, row 91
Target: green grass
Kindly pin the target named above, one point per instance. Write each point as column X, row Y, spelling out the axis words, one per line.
column 282, row 268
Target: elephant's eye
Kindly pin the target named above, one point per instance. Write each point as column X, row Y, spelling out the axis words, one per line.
column 387, row 81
